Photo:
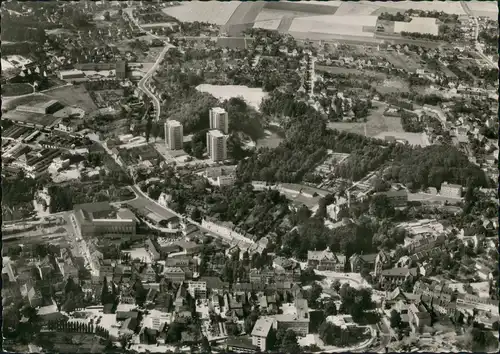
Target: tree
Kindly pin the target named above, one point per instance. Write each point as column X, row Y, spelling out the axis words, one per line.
column 314, row 293
column 336, row 285
column 205, row 345
column 105, row 292
column 331, row 309
column 395, row 319
column 289, row 344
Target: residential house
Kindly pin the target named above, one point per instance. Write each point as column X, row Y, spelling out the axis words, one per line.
column 153, row 249
column 148, row 274
column 260, row 333
column 106, row 268
column 396, row 276
column 382, row 261
column 174, row 274
column 267, row 276
column 197, row 289
column 480, row 303
column 180, row 297
column 358, row 262
column 419, row 316
column 326, row 260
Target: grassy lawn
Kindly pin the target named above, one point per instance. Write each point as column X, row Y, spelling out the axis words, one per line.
column 75, row 95
column 16, row 89
column 376, row 123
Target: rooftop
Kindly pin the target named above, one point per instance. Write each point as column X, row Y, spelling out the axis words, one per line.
column 216, row 133
column 262, row 327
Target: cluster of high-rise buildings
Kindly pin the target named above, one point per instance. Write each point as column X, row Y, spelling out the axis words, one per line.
column 216, row 136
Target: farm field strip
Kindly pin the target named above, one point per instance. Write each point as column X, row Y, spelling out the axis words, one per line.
column 214, row 12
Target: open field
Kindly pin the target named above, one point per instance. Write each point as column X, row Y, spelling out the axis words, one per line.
column 339, row 70
column 245, row 14
column 376, row 124
column 35, row 98
column 253, row 96
column 335, row 25
column 16, row 89
column 356, row 9
column 214, row 12
column 75, row 95
column 391, row 86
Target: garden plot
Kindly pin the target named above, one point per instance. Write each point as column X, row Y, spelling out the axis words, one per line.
column 447, row 7
column 214, row 12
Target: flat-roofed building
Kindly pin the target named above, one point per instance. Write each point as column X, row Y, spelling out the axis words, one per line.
column 174, row 135
column 99, row 219
column 260, row 332
column 71, row 74
column 219, row 119
column 197, row 289
column 297, row 322
column 40, row 108
column 217, row 145
column 451, row 190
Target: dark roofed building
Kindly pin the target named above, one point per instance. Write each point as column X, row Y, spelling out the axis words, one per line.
column 121, row 70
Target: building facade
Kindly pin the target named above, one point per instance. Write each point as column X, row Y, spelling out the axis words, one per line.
column 326, row 260
column 451, row 190
column 217, row 145
column 219, row 119
column 174, row 135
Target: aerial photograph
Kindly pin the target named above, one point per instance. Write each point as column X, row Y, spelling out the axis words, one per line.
column 249, row 176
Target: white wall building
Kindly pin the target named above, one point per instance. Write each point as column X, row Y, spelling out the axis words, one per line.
column 174, row 135
column 219, row 119
column 217, row 145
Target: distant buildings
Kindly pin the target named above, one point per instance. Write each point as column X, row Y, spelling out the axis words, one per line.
column 219, row 119
column 100, row 219
column 121, row 70
column 451, row 190
column 217, row 145
column 174, row 135
column 197, row 289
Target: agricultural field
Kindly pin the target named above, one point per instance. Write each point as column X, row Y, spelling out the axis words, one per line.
column 16, row 89
column 377, row 123
column 75, row 95
column 217, row 13
column 363, row 8
column 447, row 7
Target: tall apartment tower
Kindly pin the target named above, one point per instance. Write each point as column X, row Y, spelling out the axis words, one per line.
column 217, row 145
column 173, row 135
column 219, row 119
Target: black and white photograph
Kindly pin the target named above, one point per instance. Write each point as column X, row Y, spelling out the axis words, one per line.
column 249, row 176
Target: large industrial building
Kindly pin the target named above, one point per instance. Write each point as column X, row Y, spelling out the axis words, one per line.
column 41, row 108
column 174, row 135
column 100, row 219
column 217, row 145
